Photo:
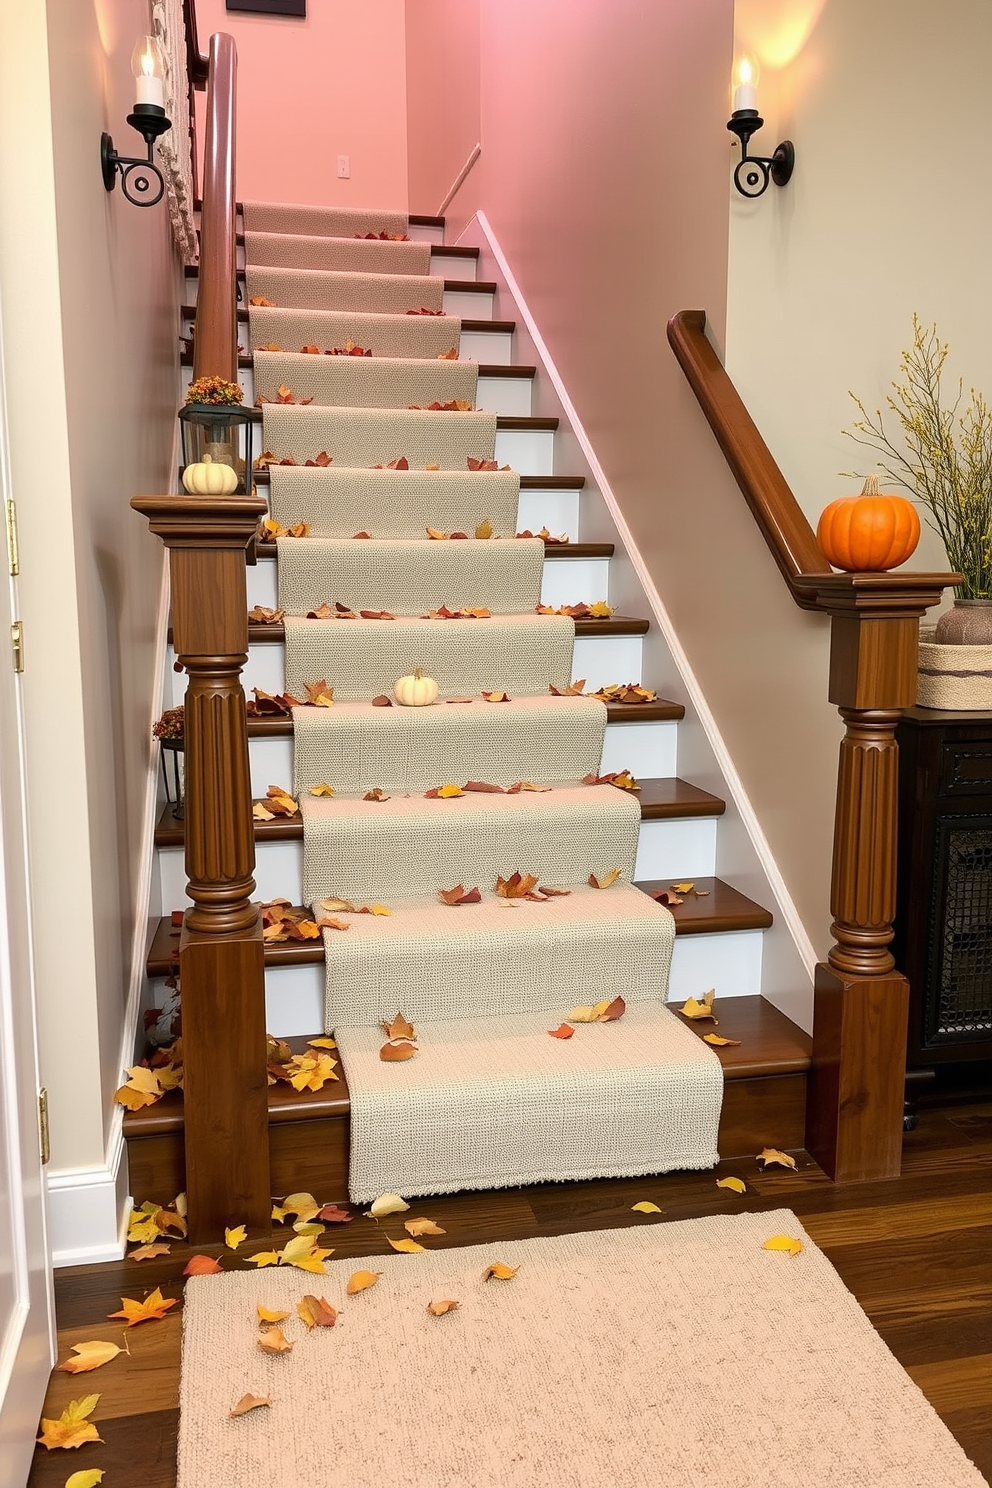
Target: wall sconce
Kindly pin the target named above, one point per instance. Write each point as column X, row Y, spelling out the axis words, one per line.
column 149, row 119
column 753, row 172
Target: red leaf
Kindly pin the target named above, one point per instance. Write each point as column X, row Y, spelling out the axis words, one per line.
column 565, row 1031
column 382, row 701
column 376, row 615
column 202, row 1265
column 460, row 895
column 363, row 534
column 402, row 463
column 616, row 1010
column 334, row 1214
column 483, row 785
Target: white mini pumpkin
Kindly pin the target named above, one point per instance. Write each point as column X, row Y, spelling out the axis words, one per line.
column 417, row 691
column 209, row 477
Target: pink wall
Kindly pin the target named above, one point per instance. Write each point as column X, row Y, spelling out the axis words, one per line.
column 311, row 90
column 442, row 55
column 605, row 176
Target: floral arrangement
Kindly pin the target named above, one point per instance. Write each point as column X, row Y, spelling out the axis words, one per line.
column 171, row 724
column 214, row 390
column 944, row 460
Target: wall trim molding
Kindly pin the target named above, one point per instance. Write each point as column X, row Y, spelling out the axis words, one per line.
column 88, row 1208
column 785, row 905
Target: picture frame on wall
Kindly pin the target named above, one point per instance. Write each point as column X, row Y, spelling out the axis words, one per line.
column 270, row 7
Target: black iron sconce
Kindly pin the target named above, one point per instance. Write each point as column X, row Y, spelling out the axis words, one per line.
column 141, row 180
column 753, row 172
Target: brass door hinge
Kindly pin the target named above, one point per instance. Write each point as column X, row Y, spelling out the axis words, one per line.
column 46, row 1141
column 17, row 645
column 13, row 560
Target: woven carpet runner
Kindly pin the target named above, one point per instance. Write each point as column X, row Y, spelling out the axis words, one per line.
column 489, row 1100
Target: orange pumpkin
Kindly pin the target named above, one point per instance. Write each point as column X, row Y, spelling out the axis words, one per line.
column 870, row 533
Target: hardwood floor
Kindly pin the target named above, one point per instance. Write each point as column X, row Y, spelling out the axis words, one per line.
column 916, row 1251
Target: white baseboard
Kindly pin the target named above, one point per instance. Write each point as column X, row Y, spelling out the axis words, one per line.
column 88, row 1208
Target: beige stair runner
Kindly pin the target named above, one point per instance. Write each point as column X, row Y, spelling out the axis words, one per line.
column 428, row 336
column 342, row 255
column 489, row 1099
column 381, row 382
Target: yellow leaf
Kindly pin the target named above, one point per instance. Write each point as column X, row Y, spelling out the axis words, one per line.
column 247, row 1403
column 582, row 1015
column 736, row 1185
column 422, row 1227
column 484, row 529
column 317, row 1312
column 155, row 1306
column 600, row 610
column 72, row 1427
column 274, row 1341
column 379, row 909
column 302, row 1253
column 303, row 1205
column 311, row 1228
column 89, row 1477
column 268, row 1314
column 770, row 1155
column 147, row 1252
column 409, row 1247
column 143, row 1079
column 447, row 792
column 783, row 1242
column 321, row 1043
column 234, row 1237
column 438, row 1309
column 264, row 1258
column 604, row 880
column 646, row 1207
column 683, row 888
column 501, row 1272
column 279, row 1213
column 142, row 1225
column 259, row 813
column 360, row 1281
column 388, row 1204
column 322, row 790
column 90, row 1356
column 719, row 1042
column 694, row 1008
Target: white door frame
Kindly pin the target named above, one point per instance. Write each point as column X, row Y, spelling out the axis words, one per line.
column 27, row 1313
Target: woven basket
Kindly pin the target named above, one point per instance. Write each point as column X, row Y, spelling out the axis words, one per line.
column 956, row 678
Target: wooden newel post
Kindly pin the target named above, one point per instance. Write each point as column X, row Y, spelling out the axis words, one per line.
column 856, row 1088
column 222, row 975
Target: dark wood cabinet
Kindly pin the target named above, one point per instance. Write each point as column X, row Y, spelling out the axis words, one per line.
column 943, row 939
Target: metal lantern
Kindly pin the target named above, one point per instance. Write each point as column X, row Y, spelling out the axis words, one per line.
column 173, row 773
column 221, row 434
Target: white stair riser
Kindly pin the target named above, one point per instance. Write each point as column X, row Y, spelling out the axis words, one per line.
column 527, row 451
column 648, row 750
column 665, row 849
column 469, row 305
column 294, row 995
column 453, row 266
column 494, row 347
column 566, row 581
column 556, row 510
column 601, row 660
column 420, row 234
column 505, row 395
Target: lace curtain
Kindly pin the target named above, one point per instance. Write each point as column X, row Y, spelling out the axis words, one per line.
column 174, row 146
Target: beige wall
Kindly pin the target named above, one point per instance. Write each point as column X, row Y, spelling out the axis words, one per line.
column 889, row 211
column 312, row 89
column 90, row 297
column 605, row 176
column 442, row 81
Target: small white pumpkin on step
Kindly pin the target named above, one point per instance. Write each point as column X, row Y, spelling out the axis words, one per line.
column 416, row 691
column 210, row 477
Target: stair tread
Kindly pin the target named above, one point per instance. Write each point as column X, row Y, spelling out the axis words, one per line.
column 724, row 909
column 496, row 327
column 266, row 552
column 470, row 286
column 519, row 422
column 660, row 711
column 771, row 1045
column 527, row 482
column 415, row 219
column 616, row 625
column 667, row 799
column 486, row 369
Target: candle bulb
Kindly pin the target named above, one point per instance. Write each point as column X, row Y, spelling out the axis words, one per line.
column 745, row 84
column 148, row 67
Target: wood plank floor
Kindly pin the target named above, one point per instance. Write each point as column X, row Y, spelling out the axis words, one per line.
column 916, row 1251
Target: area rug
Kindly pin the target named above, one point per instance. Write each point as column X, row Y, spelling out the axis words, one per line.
column 682, row 1355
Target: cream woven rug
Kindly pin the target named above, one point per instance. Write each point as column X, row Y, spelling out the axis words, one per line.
column 379, row 293
column 679, row 1355
column 383, row 335
column 321, row 222
column 342, row 255
column 364, row 437
column 366, row 382
column 397, row 503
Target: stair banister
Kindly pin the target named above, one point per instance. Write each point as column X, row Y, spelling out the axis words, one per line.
column 221, row 967
column 860, row 1008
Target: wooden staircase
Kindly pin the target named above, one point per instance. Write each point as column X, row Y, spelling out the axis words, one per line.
column 839, row 1092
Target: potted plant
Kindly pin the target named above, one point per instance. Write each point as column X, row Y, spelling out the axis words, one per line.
column 941, row 452
column 169, row 732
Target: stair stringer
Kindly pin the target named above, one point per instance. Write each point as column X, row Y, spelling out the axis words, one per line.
column 744, row 855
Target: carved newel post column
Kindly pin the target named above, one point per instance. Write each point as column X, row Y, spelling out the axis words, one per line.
column 856, row 1088
column 221, row 969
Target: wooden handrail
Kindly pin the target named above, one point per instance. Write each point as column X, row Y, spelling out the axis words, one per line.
column 779, row 516
column 854, row 1108
column 215, row 349
column 197, row 64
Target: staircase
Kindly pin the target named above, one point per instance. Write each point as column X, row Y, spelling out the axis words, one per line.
column 717, row 930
